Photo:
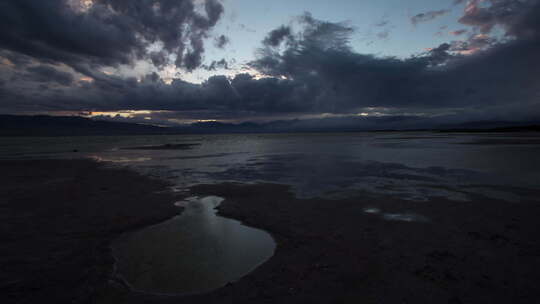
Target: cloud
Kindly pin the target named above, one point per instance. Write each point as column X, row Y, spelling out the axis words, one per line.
column 221, row 41
column 475, row 43
column 384, row 34
column 458, row 32
column 518, row 18
column 341, row 80
column 382, row 23
column 277, row 36
column 439, row 54
column 217, row 64
column 307, row 71
column 49, row 74
column 107, row 32
column 246, row 28
column 428, row 16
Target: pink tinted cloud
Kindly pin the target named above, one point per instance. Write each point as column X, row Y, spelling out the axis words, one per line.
column 458, row 32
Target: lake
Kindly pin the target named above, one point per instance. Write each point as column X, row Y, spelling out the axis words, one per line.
column 199, row 251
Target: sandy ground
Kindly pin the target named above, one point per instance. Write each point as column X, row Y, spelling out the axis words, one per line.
column 57, row 220
column 58, row 217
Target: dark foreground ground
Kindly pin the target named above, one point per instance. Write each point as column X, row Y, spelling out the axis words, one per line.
column 58, row 217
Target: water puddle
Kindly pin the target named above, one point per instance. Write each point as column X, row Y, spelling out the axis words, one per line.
column 400, row 217
column 195, row 252
column 406, row 217
column 120, row 159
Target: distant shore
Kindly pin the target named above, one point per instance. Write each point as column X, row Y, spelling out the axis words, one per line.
column 59, row 216
column 51, row 126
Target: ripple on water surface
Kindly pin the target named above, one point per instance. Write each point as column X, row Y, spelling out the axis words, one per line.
column 197, row 251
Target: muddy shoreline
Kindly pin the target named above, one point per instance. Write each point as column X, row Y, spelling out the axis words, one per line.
column 58, row 218
column 329, row 251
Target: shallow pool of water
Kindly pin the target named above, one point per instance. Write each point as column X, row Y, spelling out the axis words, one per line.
column 195, row 252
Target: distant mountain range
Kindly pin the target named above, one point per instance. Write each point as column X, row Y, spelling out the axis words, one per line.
column 42, row 125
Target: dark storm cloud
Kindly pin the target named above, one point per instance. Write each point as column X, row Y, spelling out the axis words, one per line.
column 339, row 79
column 17, row 59
column 159, row 59
column 473, row 44
column 314, row 70
column 439, row 54
column 218, row 94
column 221, row 41
column 275, row 37
column 428, row 16
column 317, row 72
column 516, row 16
column 217, row 64
column 44, row 73
column 108, row 33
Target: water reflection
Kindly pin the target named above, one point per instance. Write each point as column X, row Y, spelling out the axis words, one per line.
column 195, row 252
column 400, row 217
column 120, row 159
column 406, row 217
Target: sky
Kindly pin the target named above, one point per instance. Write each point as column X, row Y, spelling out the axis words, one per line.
column 247, row 22
column 180, row 61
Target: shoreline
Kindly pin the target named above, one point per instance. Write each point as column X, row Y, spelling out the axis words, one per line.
column 328, row 251
column 47, row 233
column 333, row 251
column 483, row 251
